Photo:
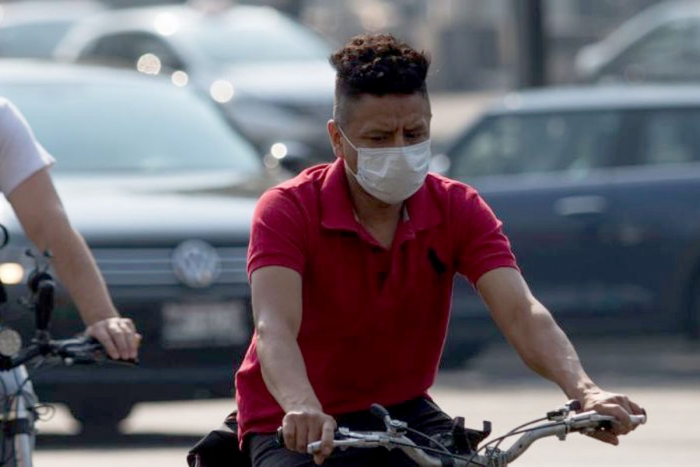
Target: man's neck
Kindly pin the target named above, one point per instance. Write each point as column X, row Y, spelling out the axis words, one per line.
column 378, row 218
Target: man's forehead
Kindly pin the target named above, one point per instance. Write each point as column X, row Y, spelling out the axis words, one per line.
column 369, row 111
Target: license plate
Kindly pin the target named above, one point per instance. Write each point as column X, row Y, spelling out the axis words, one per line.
column 218, row 324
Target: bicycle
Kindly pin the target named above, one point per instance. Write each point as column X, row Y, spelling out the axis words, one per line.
column 460, row 448
column 21, row 407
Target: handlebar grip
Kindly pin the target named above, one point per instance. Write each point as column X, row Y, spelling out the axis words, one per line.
column 86, row 350
column 639, row 419
column 313, row 448
column 280, row 437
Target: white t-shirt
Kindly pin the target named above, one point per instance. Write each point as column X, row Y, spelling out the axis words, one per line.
column 20, row 153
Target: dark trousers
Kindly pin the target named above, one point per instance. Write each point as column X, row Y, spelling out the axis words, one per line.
column 421, row 414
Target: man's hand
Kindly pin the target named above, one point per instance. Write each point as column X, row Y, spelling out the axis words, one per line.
column 616, row 405
column 118, row 336
column 304, row 426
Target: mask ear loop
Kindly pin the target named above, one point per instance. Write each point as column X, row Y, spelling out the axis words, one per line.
column 344, row 136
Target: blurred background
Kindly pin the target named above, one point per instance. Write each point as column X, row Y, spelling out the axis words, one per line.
column 577, row 120
column 477, row 45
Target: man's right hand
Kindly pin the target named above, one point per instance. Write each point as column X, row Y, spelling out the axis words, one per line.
column 118, row 336
column 306, row 425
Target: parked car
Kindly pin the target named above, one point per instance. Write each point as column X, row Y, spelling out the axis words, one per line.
column 661, row 43
column 32, row 28
column 269, row 73
column 163, row 190
column 598, row 189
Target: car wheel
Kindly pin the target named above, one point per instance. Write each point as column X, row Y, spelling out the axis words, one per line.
column 99, row 414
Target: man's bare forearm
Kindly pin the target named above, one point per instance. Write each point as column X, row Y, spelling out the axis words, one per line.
column 76, row 268
column 284, row 371
column 546, row 349
column 44, row 219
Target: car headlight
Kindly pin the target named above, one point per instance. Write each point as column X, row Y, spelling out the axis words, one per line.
column 11, row 273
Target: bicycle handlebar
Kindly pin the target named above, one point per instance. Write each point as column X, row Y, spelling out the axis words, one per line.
column 79, row 350
column 561, row 424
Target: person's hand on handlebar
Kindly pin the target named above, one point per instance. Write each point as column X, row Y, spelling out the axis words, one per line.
column 616, row 405
column 306, row 425
column 118, row 336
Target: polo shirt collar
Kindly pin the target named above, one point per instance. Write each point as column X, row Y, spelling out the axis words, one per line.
column 337, row 213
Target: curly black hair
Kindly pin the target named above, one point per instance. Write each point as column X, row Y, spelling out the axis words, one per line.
column 378, row 64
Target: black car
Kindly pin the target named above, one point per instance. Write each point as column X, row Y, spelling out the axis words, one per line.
column 163, row 190
column 599, row 190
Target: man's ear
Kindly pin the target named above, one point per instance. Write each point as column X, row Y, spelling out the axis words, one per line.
column 335, row 138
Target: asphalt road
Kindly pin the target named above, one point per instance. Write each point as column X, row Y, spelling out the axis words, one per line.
column 663, row 375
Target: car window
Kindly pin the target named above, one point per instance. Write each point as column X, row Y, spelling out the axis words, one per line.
column 661, row 53
column 35, row 40
column 250, row 37
column 131, row 49
column 94, row 127
column 670, row 137
column 573, row 143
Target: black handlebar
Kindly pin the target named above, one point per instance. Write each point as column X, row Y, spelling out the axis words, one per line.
column 79, row 350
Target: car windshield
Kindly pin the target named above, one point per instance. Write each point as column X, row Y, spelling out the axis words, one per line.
column 573, row 142
column 100, row 128
column 33, row 39
column 245, row 37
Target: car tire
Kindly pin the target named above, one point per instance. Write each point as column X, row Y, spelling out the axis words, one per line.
column 99, row 415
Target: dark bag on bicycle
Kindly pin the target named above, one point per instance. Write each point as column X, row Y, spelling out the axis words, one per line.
column 219, row 448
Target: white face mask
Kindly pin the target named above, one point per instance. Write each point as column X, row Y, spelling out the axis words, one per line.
column 392, row 174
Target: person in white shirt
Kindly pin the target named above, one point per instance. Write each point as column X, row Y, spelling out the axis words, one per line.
column 27, row 185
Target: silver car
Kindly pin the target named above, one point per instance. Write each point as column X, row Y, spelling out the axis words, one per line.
column 659, row 44
column 163, row 190
column 269, row 73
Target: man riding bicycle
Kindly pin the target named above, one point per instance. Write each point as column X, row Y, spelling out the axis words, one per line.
column 351, row 267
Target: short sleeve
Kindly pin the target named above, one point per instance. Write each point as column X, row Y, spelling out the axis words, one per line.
column 481, row 244
column 277, row 232
column 20, row 154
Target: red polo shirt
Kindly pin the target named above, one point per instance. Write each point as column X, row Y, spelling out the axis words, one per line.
column 374, row 319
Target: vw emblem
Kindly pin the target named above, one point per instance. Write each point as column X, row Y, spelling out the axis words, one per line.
column 196, row 263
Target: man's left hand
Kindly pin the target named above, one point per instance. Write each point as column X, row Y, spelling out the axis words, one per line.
column 616, row 405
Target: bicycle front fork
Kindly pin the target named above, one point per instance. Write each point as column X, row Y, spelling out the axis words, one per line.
column 17, row 418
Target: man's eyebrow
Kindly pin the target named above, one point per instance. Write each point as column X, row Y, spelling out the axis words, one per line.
column 416, row 126
column 381, row 131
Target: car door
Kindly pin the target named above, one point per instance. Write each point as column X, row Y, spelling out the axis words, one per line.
column 657, row 215
column 546, row 177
